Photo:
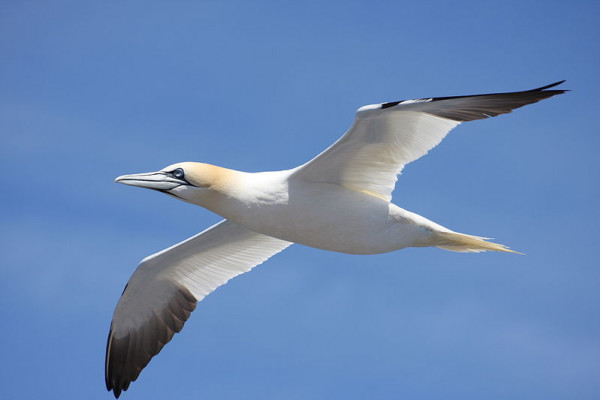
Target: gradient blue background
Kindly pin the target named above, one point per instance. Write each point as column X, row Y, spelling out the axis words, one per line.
column 92, row 90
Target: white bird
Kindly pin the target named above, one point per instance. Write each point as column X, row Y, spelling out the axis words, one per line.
column 338, row 201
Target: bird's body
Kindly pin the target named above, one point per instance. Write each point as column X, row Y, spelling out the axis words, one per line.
column 322, row 215
column 339, row 201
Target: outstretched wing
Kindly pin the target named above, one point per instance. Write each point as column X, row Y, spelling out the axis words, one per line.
column 385, row 137
column 165, row 288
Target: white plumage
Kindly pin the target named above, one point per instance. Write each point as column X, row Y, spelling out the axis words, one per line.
column 338, row 201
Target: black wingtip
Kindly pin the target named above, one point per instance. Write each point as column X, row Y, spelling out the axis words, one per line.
column 550, row 86
column 128, row 355
column 546, row 94
column 549, row 93
column 109, row 384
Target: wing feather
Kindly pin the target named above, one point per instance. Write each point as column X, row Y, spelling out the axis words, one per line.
column 385, row 137
column 165, row 289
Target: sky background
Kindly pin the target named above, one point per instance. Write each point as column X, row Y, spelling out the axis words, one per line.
column 93, row 90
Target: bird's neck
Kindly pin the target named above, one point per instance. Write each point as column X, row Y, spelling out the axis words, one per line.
column 236, row 195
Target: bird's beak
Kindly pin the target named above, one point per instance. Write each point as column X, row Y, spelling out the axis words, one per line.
column 152, row 180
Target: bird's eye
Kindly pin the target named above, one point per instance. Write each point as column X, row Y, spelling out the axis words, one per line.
column 178, row 173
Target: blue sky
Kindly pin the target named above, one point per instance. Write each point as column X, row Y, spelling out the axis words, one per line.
column 93, row 90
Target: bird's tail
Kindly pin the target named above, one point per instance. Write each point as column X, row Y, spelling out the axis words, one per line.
column 463, row 243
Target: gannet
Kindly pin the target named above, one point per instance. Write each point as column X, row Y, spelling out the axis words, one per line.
column 339, row 201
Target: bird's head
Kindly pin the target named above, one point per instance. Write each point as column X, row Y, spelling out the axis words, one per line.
column 186, row 181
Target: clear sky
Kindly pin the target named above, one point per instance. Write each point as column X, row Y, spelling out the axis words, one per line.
column 93, row 90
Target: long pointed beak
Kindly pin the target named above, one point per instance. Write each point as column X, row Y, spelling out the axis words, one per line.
column 152, row 180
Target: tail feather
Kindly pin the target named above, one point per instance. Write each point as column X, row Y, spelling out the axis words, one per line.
column 463, row 243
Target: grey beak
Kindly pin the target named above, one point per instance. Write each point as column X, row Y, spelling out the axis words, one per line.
column 152, row 180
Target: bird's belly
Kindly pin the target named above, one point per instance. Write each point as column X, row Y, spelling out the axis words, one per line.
column 341, row 234
column 335, row 219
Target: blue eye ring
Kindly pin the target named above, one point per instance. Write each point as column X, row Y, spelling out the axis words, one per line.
column 178, row 173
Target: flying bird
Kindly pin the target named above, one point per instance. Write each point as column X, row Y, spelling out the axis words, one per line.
column 338, row 201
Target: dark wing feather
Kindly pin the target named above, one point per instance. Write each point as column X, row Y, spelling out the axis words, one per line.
column 479, row 106
column 128, row 355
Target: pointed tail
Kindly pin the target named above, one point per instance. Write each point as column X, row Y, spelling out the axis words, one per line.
column 463, row 243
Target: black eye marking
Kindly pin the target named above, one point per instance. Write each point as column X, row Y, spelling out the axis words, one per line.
column 178, row 173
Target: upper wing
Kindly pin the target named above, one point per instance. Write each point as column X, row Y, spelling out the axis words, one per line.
column 165, row 288
column 385, row 137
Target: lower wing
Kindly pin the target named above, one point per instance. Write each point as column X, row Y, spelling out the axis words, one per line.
column 165, row 288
